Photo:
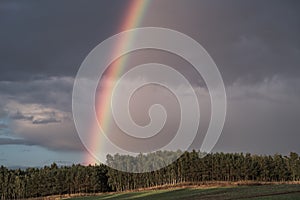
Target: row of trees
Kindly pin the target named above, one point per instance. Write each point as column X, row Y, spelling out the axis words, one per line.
column 194, row 167
column 37, row 182
column 190, row 167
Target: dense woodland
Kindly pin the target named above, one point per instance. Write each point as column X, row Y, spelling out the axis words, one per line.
column 190, row 167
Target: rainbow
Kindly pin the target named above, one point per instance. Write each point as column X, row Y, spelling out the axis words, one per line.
column 134, row 14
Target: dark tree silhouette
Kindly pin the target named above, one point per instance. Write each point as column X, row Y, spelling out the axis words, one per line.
column 190, row 167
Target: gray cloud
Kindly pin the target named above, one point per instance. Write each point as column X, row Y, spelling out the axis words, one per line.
column 19, row 116
column 46, row 121
column 54, row 136
column 262, row 118
column 42, row 117
column 9, row 141
column 3, row 126
column 51, row 91
column 40, row 111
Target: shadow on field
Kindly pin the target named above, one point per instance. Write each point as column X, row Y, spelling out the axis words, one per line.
column 261, row 192
column 186, row 193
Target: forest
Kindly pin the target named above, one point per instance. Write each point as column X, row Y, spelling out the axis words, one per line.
column 191, row 167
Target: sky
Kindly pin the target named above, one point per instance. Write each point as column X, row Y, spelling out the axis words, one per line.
column 255, row 44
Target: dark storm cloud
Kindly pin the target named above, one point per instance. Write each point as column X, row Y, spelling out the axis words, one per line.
column 247, row 39
column 51, row 38
column 53, row 91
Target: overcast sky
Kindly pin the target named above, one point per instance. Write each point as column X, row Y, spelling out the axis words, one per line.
column 255, row 44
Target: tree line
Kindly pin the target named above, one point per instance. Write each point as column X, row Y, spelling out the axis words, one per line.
column 190, row 167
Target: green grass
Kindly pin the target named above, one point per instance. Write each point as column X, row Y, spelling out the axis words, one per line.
column 262, row 192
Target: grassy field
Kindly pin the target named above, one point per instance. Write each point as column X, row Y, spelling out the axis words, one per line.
column 233, row 192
